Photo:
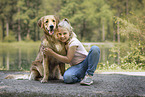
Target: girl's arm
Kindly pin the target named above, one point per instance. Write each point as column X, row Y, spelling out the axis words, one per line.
column 65, row 59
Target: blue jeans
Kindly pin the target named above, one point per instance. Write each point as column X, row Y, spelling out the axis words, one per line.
column 88, row 66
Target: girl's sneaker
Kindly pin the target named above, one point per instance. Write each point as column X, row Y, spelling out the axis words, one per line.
column 87, row 80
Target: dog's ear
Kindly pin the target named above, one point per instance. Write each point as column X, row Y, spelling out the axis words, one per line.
column 40, row 22
column 66, row 20
column 57, row 20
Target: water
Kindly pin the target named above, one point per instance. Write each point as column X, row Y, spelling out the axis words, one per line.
column 18, row 58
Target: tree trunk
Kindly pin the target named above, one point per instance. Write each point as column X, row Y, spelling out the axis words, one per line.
column 7, row 28
column 28, row 32
column 19, row 27
column 103, row 32
column 108, row 35
column 118, row 33
column 114, row 31
column 118, row 60
column 3, row 30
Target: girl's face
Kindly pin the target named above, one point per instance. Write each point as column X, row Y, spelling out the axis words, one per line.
column 63, row 34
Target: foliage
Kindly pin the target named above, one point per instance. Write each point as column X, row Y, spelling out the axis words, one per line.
column 87, row 17
column 10, row 37
column 108, row 66
column 28, row 39
column 133, row 56
column 92, row 20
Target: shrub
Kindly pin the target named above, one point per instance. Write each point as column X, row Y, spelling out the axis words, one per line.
column 9, row 38
column 133, row 56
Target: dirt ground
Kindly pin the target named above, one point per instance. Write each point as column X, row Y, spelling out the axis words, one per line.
column 108, row 85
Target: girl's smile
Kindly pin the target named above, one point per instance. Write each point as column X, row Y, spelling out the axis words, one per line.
column 63, row 35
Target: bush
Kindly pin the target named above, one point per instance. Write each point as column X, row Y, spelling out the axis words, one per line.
column 28, row 39
column 9, row 38
column 133, row 55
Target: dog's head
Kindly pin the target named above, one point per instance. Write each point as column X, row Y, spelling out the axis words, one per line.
column 49, row 24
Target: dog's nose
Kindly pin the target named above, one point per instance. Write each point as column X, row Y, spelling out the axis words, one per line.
column 51, row 26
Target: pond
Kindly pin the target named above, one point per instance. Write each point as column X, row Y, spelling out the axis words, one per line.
column 21, row 57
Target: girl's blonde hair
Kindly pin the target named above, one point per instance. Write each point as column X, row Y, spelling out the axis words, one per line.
column 65, row 24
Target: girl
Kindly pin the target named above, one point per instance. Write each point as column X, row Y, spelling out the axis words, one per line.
column 83, row 64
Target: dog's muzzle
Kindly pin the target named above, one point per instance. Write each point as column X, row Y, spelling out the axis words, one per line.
column 51, row 27
column 51, row 30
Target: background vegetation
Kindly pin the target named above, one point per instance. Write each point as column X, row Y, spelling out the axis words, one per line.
column 121, row 21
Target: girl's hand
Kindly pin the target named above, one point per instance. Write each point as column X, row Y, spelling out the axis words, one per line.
column 47, row 51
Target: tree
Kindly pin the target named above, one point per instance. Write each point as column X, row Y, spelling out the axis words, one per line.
column 132, row 56
column 87, row 17
column 6, row 12
column 92, row 20
column 21, row 8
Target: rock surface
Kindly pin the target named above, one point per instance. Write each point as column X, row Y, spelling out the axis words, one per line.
column 104, row 85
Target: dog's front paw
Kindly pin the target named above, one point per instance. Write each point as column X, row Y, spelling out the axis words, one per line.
column 44, row 80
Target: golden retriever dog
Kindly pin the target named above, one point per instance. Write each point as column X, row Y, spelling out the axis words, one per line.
column 50, row 67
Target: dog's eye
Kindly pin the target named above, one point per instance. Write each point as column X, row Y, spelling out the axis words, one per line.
column 46, row 22
column 59, row 33
column 53, row 20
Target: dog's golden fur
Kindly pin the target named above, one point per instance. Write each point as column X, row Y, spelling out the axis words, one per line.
column 51, row 67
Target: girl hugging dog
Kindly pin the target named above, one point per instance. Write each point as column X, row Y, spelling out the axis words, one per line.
column 83, row 63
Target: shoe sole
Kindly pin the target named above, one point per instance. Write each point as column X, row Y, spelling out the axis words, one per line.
column 88, row 84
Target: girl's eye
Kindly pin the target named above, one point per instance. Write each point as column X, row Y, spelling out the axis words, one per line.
column 64, row 33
